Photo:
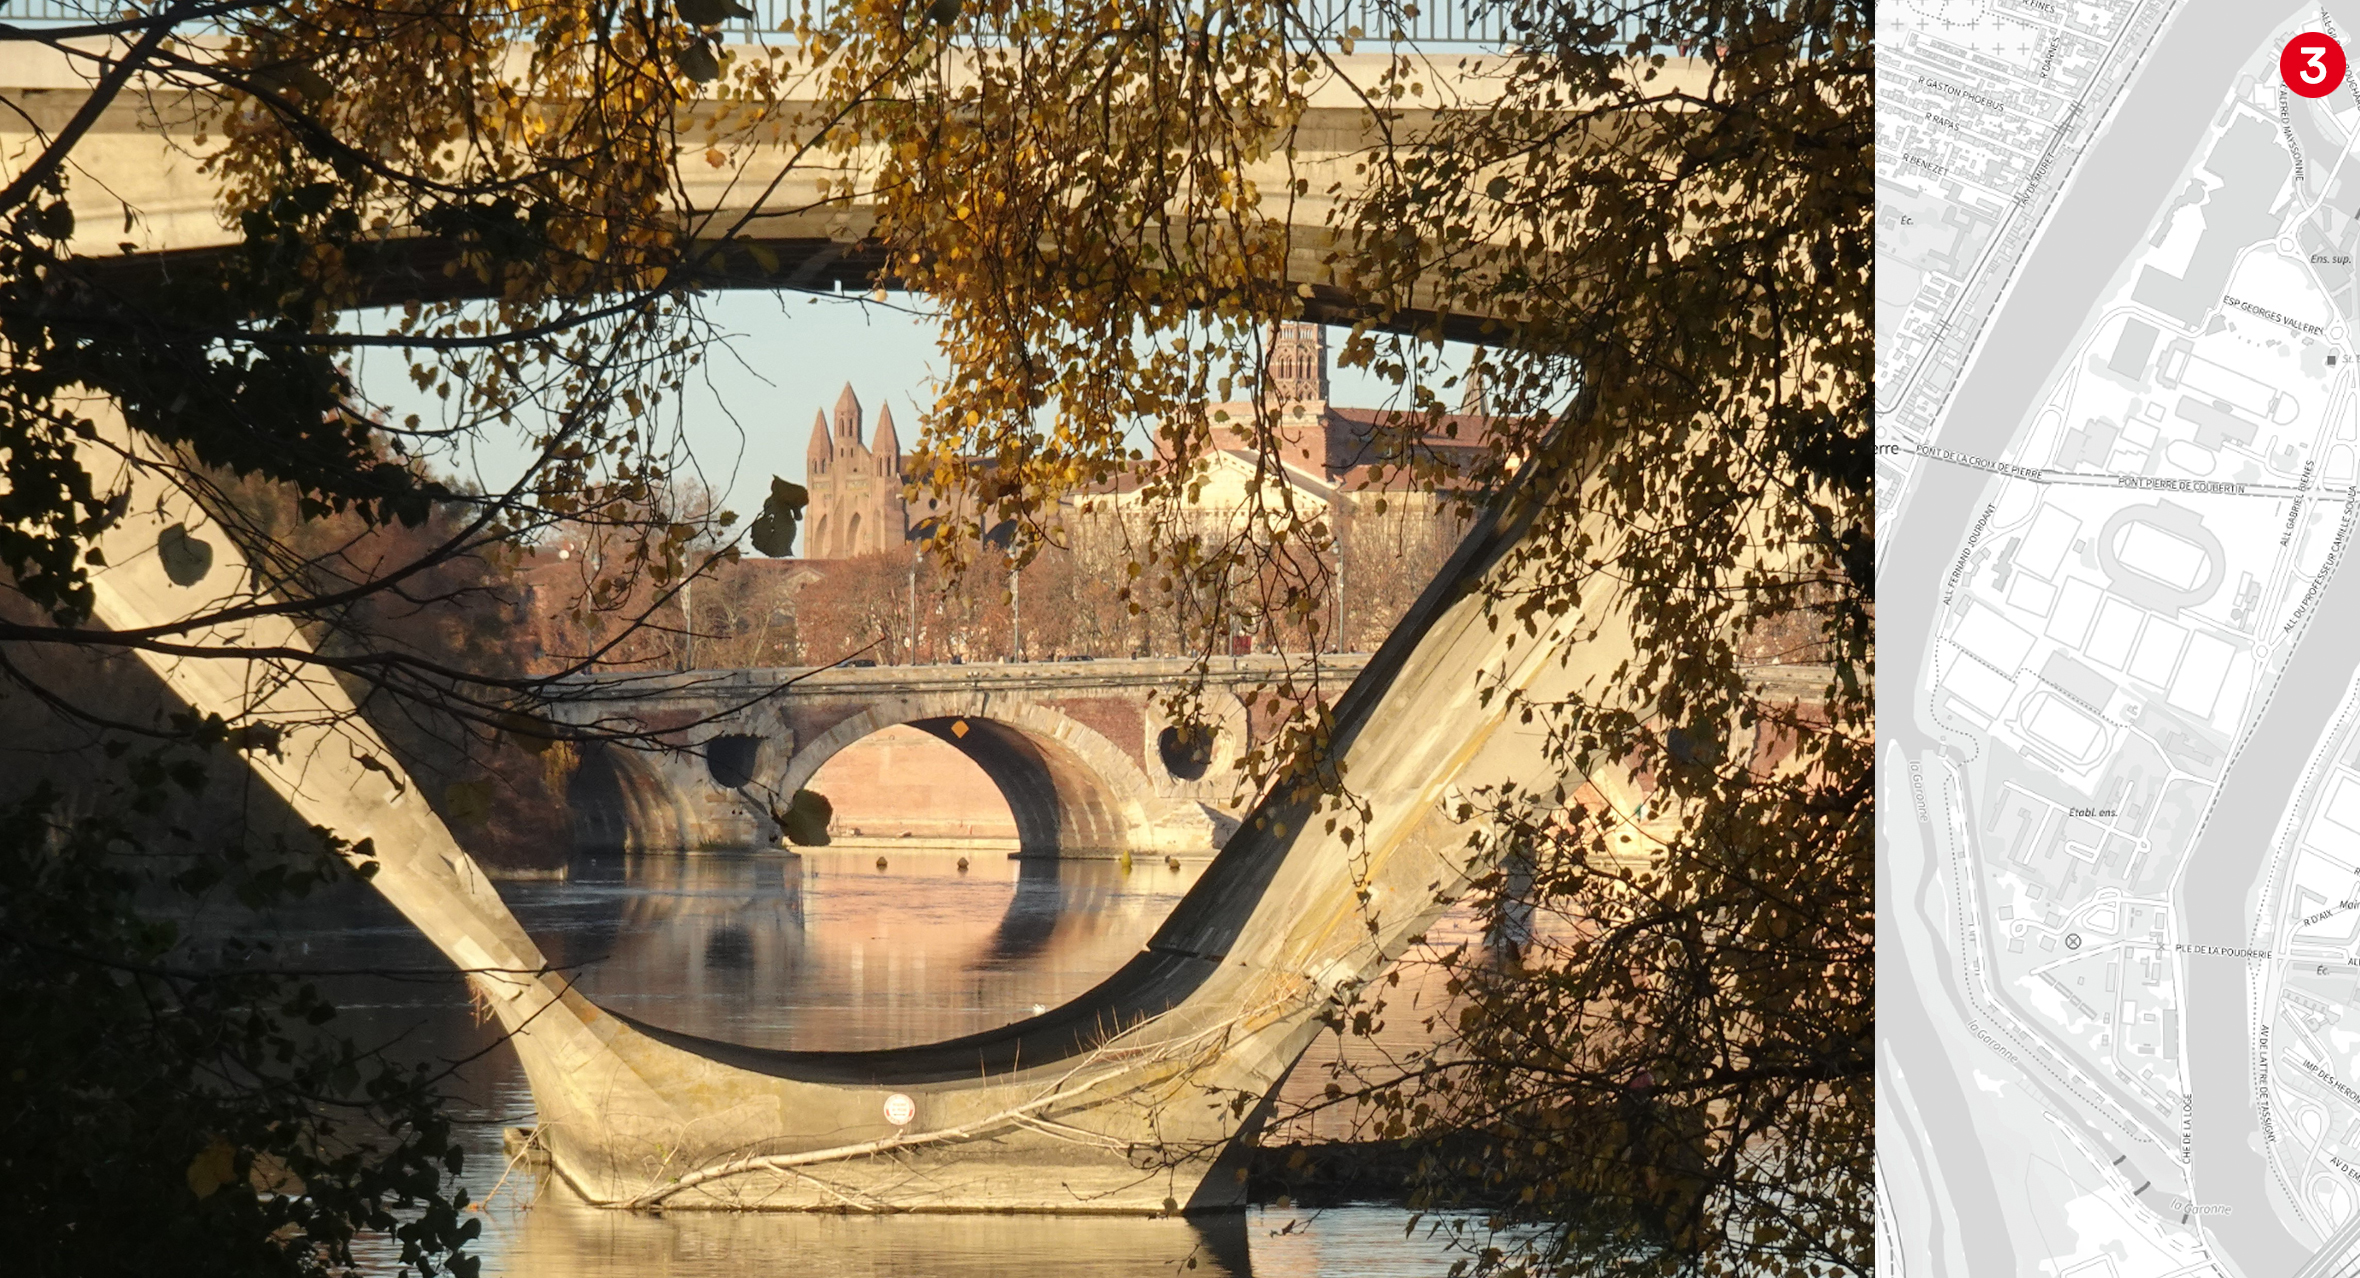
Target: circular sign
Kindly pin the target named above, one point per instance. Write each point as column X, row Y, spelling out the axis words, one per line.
column 900, row 1109
column 2073, row 940
column 2312, row 64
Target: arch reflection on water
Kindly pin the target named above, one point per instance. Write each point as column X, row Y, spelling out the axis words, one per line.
column 560, row 1236
column 819, row 949
column 815, row 951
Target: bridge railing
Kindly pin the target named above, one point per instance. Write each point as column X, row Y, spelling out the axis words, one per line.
column 1437, row 22
column 1370, row 23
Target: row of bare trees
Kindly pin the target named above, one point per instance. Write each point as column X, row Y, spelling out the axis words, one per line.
column 1073, row 598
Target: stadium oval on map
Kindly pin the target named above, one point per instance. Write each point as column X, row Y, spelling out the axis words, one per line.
column 2161, row 556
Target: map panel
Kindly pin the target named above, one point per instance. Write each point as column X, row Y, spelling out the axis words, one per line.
column 2118, row 442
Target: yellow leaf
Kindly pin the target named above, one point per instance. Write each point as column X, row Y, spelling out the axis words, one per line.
column 214, row 1166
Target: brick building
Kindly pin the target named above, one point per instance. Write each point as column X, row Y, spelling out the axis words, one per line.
column 1325, row 454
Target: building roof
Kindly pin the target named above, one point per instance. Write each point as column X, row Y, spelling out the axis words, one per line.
column 1335, row 442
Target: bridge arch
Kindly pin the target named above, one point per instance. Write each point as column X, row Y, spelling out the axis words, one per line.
column 1070, row 790
column 622, row 802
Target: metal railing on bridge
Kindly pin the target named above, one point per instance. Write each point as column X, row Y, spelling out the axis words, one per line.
column 1374, row 23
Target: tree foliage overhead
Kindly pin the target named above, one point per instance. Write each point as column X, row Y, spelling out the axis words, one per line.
column 1655, row 219
column 501, row 178
column 498, row 179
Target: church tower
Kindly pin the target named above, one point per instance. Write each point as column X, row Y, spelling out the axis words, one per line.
column 818, row 465
column 822, row 448
column 856, row 503
column 1298, row 364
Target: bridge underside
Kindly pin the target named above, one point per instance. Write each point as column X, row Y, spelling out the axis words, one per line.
column 620, row 804
column 429, row 269
column 142, row 168
column 1060, row 806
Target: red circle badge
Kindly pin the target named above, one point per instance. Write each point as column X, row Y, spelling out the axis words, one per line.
column 2312, row 64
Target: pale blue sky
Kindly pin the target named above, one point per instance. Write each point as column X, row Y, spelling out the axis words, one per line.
column 750, row 404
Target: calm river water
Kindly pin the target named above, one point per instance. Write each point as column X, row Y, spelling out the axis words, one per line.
column 816, row 949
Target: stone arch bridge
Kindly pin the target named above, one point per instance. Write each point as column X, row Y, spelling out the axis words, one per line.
column 1085, row 753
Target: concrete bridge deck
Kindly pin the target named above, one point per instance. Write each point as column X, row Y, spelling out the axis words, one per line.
column 143, row 204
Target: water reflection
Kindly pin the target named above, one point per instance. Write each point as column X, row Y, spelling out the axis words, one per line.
column 562, row 1236
column 817, row 950
column 822, row 949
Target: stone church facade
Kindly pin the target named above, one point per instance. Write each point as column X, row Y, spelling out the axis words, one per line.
column 1325, row 454
column 855, row 484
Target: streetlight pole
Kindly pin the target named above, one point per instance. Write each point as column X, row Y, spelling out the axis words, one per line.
column 913, row 608
column 1340, row 636
column 1228, row 604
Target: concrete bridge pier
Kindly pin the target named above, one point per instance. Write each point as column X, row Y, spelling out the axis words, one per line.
column 1136, row 1097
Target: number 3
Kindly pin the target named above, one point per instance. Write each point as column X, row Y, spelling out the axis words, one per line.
column 2316, row 70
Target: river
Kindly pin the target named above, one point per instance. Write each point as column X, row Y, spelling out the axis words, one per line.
column 821, row 948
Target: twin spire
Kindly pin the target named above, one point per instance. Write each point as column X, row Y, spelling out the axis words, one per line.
column 1297, row 364
column 847, row 430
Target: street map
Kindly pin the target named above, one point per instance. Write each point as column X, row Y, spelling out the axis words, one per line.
column 2118, row 433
